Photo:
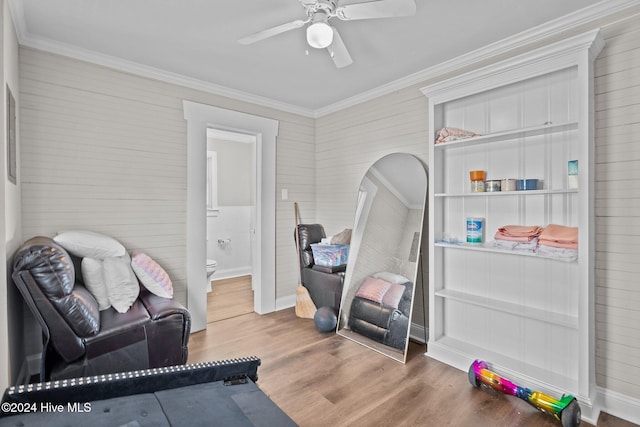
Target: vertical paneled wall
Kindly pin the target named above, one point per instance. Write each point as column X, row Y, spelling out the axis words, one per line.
column 350, row 141
column 106, row 151
column 296, row 164
column 617, row 204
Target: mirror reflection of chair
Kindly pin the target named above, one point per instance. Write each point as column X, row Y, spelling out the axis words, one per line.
column 381, row 308
column 323, row 283
column 382, row 273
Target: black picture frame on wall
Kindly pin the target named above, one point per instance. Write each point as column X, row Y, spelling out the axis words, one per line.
column 12, row 165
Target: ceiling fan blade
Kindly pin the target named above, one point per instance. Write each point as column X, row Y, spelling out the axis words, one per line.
column 338, row 51
column 270, row 32
column 377, row 9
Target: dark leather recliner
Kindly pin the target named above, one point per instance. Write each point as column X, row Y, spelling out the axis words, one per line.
column 79, row 340
column 323, row 283
column 385, row 324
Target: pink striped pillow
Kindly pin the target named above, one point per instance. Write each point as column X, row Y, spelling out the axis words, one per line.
column 151, row 275
column 373, row 289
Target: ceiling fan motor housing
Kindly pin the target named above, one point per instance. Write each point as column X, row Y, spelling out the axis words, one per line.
column 324, row 7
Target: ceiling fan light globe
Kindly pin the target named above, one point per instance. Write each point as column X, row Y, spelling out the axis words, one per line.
column 319, row 35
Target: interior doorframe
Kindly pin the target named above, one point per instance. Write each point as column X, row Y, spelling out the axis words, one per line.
column 254, row 229
column 200, row 117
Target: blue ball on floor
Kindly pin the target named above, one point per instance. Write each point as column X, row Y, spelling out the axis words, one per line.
column 325, row 319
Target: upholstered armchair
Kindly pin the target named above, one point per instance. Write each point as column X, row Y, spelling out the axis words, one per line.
column 323, row 283
column 79, row 339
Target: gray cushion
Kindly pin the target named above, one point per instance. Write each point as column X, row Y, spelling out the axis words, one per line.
column 235, row 405
column 139, row 410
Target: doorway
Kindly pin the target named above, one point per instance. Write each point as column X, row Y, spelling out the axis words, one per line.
column 231, row 214
column 201, row 117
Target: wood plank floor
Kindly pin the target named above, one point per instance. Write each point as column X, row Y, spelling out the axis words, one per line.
column 322, row 379
column 229, row 298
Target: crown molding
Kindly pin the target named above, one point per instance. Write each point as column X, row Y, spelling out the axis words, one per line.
column 541, row 32
column 29, row 40
column 548, row 29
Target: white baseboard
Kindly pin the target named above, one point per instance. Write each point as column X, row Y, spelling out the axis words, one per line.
column 418, row 333
column 232, row 272
column 285, row 302
column 619, row 405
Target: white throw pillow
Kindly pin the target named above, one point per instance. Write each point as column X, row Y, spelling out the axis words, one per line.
column 151, row 275
column 90, row 244
column 122, row 285
column 93, row 275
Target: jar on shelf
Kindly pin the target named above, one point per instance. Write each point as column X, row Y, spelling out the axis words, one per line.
column 477, row 180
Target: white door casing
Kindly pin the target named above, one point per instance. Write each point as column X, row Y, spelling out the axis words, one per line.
column 200, row 117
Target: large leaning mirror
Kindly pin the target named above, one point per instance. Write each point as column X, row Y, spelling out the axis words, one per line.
column 381, row 277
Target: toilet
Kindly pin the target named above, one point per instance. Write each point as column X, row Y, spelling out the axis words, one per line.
column 211, row 268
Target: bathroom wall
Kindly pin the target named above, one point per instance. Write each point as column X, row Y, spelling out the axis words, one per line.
column 229, row 228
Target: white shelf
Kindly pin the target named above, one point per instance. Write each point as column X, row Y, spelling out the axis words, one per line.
column 507, row 135
column 508, row 193
column 554, row 318
column 483, row 248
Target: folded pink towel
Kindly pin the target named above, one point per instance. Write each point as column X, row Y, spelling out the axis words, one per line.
column 560, row 233
column 501, row 236
column 556, row 244
column 520, row 230
column 559, row 236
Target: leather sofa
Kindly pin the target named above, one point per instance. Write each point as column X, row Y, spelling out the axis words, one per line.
column 78, row 339
column 323, row 283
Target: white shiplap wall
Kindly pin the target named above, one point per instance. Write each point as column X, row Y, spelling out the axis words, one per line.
column 349, row 141
column 617, row 203
column 106, row 150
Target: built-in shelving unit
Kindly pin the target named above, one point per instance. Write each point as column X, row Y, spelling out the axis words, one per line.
column 529, row 316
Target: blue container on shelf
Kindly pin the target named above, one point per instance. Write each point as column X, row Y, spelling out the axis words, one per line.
column 526, row 184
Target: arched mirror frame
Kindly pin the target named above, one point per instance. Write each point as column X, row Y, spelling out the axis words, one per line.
column 395, row 180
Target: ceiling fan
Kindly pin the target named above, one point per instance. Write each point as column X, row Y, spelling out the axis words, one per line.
column 321, row 35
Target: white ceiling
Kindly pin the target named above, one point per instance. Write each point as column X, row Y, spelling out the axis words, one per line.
column 197, row 39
